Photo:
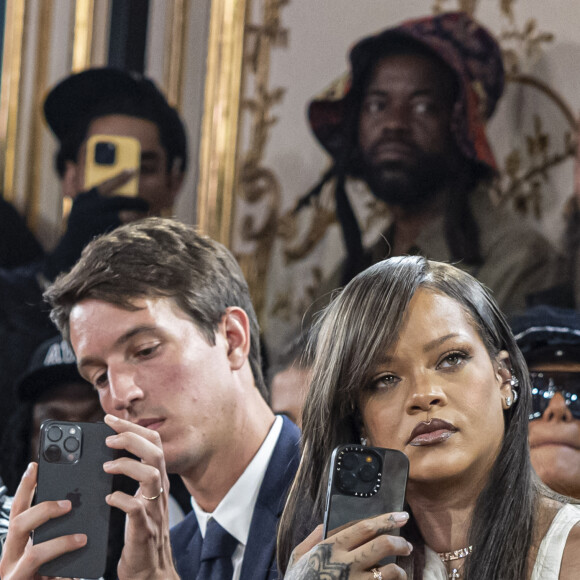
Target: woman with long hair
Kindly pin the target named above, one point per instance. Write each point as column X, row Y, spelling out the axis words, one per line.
column 415, row 355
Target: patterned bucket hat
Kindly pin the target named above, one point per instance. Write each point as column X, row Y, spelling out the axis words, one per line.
column 467, row 48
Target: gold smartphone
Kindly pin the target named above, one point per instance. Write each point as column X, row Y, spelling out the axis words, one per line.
column 107, row 156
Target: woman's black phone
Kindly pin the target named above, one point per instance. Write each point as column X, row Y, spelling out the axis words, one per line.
column 364, row 482
column 70, row 466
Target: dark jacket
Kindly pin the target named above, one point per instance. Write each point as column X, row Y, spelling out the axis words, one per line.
column 260, row 553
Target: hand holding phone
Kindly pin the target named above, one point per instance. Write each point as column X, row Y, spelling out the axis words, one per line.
column 349, row 549
column 364, row 482
column 147, row 549
column 71, row 457
column 107, row 156
column 20, row 559
column 144, row 553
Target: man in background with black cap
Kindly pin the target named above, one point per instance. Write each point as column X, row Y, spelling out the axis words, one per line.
column 411, row 124
column 549, row 339
column 96, row 101
column 112, row 102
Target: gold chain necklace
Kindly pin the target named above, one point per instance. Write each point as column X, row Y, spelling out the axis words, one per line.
column 455, row 555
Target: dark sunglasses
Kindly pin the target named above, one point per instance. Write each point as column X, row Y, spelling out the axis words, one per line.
column 546, row 384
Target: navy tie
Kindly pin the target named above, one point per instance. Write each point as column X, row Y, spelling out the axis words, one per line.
column 216, row 553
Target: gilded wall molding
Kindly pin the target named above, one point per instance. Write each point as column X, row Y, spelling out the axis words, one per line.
column 83, row 34
column 219, row 134
column 34, row 178
column 175, row 39
column 9, row 97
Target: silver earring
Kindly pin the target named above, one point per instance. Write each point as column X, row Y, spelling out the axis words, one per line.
column 514, row 382
column 508, row 402
column 515, row 395
column 364, row 441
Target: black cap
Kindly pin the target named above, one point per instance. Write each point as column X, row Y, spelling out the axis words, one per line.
column 52, row 364
column 74, row 102
column 548, row 334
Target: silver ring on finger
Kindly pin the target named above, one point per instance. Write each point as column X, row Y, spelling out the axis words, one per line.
column 377, row 574
column 154, row 497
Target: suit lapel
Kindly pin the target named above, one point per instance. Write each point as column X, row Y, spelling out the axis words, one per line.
column 186, row 543
column 259, row 557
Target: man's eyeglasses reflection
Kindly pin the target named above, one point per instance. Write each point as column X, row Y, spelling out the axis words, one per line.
column 545, row 385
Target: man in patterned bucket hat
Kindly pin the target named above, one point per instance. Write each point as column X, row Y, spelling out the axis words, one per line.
column 410, row 122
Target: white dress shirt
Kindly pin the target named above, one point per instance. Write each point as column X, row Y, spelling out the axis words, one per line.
column 234, row 513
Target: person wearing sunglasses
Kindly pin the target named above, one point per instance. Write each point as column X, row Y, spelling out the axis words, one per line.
column 549, row 339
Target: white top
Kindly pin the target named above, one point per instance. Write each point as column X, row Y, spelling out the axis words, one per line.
column 434, row 567
column 548, row 560
column 234, row 513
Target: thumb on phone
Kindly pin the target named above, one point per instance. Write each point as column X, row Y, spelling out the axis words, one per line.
column 108, row 187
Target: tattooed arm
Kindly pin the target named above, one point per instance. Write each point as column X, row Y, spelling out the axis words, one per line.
column 351, row 553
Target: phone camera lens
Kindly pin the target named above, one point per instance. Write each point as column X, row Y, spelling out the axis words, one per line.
column 368, row 472
column 348, row 480
column 349, row 461
column 105, row 153
column 52, row 453
column 71, row 444
column 54, row 433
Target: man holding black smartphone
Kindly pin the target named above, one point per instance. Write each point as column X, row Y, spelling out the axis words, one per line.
column 162, row 324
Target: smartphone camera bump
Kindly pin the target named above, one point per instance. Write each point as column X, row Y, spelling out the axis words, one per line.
column 52, row 453
column 358, row 471
column 62, row 444
column 105, row 153
column 54, row 433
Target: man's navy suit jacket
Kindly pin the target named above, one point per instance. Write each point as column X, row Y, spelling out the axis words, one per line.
column 260, row 554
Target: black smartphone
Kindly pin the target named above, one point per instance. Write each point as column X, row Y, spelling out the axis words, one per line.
column 70, row 466
column 364, row 482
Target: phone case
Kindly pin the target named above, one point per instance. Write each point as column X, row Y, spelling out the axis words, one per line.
column 83, row 481
column 127, row 155
column 364, row 482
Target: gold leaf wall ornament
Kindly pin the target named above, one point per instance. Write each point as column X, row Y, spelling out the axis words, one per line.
column 524, row 173
column 298, row 247
column 258, row 186
column 527, row 41
column 522, row 178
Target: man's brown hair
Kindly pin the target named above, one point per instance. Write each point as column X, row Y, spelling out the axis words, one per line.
column 159, row 258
